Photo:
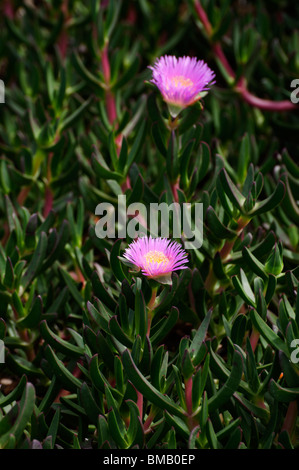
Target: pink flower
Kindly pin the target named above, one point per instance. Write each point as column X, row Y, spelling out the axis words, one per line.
column 157, row 258
column 181, row 80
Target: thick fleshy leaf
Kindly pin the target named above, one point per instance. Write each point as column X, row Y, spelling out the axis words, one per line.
column 145, row 387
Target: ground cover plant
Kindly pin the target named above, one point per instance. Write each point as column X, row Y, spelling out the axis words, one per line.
column 106, row 348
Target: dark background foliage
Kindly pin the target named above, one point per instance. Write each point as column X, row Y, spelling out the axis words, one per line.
column 81, row 124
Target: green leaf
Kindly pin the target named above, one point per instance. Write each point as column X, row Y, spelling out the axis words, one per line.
column 98, row 379
column 211, row 435
column 230, row 386
column 53, row 428
column 4, row 177
column 118, row 332
column 140, row 315
column 257, row 267
column 244, row 158
column 135, row 433
column 115, row 263
column 15, row 394
column 25, row 407
column 274, row 263
column 268, row 333
column 61, row 345
column 71, row 284
column 30, row 231
column 217, row 227
column 84, row 72
column 115, row 430
column 33, row 318
column 19, row 365
column 89, row 404
column 69, row 381
column 283, row 394
column 289, row 203
column 200, row 335
column 36, row 261
column 270, row 203
column 184, row 163
column 187, row 367
column 251, row 370
column 227, row 430
column 8, row 280
column 166, row 326
column 158, row 139
column 243, row 288
column 178, row 424
column 147, row 389
column 138, row 141
column 101, row 292
column 235, row 439
column 70, row 120
column 231, row 191
column 205, row 156
column 127, row 75
column 103, row 172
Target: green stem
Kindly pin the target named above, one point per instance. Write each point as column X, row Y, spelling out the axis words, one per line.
column 150, row 307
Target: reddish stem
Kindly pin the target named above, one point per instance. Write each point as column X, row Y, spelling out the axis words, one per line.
column 290, row 419
column 23, row 195
column 110, row 106
column 140, row 404
column 260, row 103
column 188, row 395
column 63, row 39
column 110, row 101
column 48, row 201
column 174, row 188
column 8, row 9
column 241, row 87
column 126, row 185
column 106, row 64
column 227, row 247
column 147, row 423
column 218, row 51
column 203, row 17
column 254, row 339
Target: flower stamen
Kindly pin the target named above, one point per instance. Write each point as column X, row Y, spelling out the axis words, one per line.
column 155, row 256
column 180, row 81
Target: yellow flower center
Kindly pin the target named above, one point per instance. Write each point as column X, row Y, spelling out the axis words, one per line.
column 155, row 256
column 181, row 81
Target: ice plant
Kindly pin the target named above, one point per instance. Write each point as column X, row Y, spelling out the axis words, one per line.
column 157, row 258
column 181, row 81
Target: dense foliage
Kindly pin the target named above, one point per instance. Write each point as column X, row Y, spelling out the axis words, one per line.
column 82, row 124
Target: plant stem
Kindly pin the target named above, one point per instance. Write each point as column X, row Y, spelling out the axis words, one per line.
column 110, row 101
column 211, row 279
column 148, row 422
column 63, row 39
column 140, row 404
column 227, row 247
column 150, row 307
column 241, row 86
column 254, row 339
column 22, row 196
column 174, row 188
column 48, row 201
column 290, row 419
column 188, row 395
